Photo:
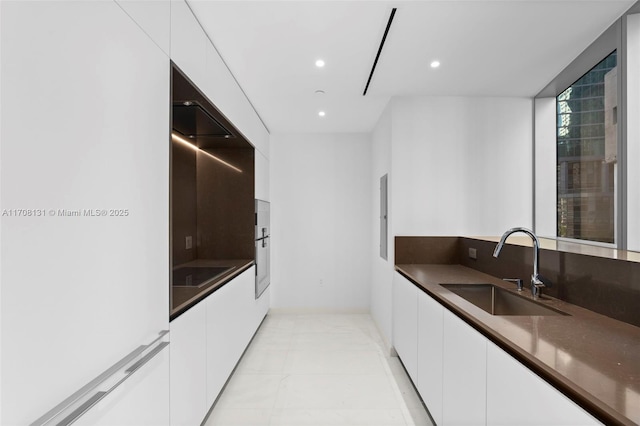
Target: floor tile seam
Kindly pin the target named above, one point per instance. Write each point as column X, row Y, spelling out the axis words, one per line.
column 278, row 396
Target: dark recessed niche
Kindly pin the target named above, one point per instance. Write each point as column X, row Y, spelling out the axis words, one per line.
column 212, row 182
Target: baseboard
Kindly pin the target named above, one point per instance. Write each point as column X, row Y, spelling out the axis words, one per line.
column 387, row 347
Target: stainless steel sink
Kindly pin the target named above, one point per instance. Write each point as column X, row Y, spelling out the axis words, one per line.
column 498, row 301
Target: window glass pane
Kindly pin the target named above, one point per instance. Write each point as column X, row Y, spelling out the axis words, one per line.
column 586, row 150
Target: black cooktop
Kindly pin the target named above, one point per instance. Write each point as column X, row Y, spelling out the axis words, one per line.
column 195, row 276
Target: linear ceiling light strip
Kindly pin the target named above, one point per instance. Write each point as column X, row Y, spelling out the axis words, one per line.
column 384, row 37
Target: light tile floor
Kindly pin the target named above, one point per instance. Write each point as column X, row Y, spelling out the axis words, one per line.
column 318, row 370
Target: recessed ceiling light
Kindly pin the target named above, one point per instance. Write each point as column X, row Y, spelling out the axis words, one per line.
column 435, row 64
column 321, row 114
column 319, row 63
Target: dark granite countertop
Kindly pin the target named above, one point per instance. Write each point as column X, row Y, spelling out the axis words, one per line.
column 182, row 298
column 593, row 359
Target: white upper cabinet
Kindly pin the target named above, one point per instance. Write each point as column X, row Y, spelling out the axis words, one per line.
column 153, row 17
column 85, row 119
column 194, row 54
column 188, row 43
column 224, row 91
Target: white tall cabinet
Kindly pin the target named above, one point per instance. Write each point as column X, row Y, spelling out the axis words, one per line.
column 84, row 178
column 84, row 185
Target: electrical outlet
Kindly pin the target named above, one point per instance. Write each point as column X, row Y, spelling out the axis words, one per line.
column 473, row 254
column 188, row 242
column 321, row 283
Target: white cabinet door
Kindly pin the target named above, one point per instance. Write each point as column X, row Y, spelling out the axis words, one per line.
column 141, row 400
column 153, row 17
column 516, row 395
column 189, row 402
column 430, row 341
column 85, row 129
column 230, row 325
column 464, row 371
column 405, row 323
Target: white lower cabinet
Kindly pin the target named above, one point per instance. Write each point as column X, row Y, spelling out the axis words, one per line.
column 207, row 342
column 516, row 395
column 464, row 371
column 230, row 327
column 430, row 340
column 188, row 367
column 405, row 323
column 465, row 379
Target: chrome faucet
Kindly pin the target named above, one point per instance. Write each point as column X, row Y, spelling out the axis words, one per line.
column 537, row 281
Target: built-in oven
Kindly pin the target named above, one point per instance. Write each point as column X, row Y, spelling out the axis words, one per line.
column 263, row 241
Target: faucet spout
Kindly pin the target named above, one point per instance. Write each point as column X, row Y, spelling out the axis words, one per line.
column 536, row 280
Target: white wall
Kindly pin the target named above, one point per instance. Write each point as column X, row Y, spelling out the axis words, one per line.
column 320, row 228
column 382, row 270
column 457, row 166
column 462, row 166
column 545, row 167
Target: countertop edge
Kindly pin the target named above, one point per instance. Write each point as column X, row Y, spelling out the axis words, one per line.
column 593, row 405
column 210, row 289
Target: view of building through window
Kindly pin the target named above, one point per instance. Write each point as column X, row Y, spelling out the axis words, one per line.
column 586, row 155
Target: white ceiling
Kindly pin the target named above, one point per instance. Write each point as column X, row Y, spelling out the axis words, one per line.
column 487, row 48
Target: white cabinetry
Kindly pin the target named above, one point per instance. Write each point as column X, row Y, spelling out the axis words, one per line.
column 405, row 323
column 464, row 371
column 462, row 377
column 154, row 17
column 230, row 326
column 430, row 340
column 141, row 400
column 189, row 367
column 516, row 395
column 194, row 54
column 207, row 342
column 188, row 43
column 85, row 119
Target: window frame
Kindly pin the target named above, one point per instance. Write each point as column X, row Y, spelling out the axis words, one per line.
column 612, row 39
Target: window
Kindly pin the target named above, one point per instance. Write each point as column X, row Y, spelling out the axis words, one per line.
column 586, row 155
